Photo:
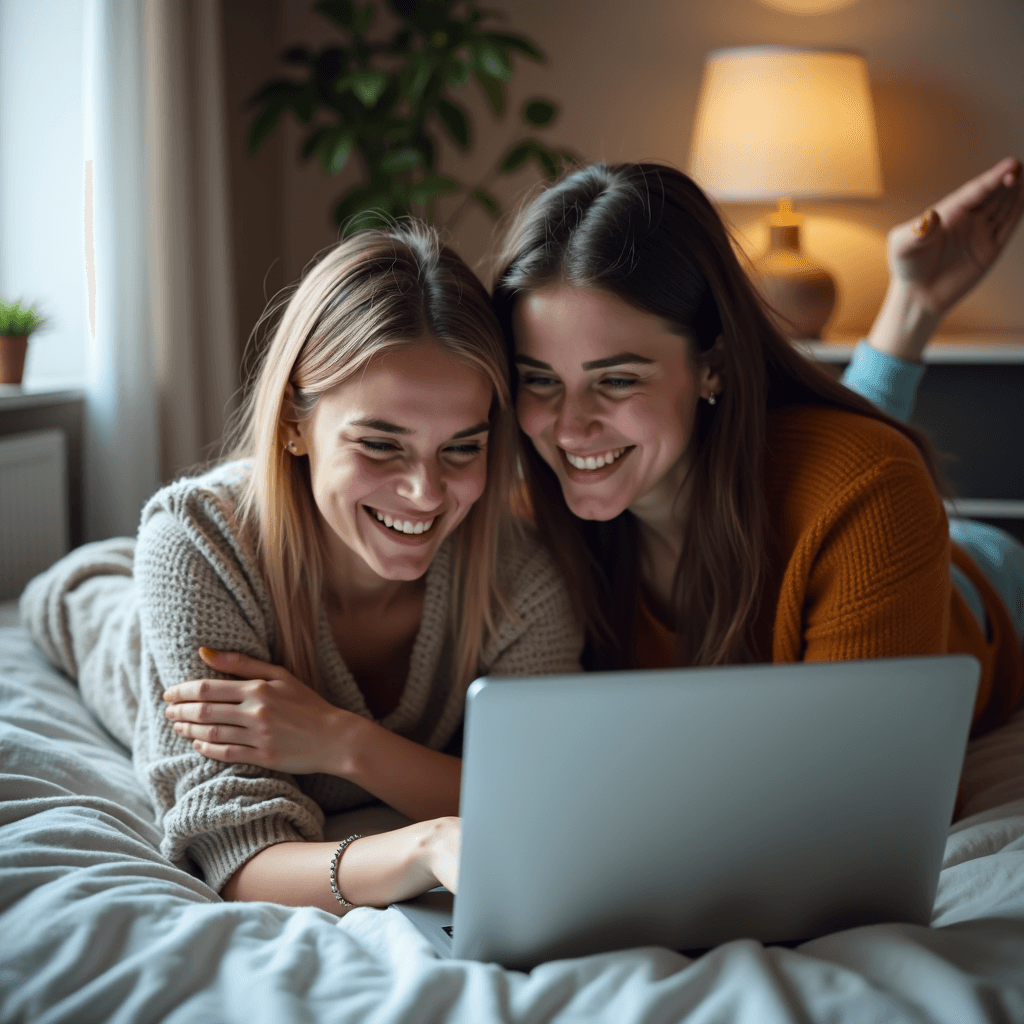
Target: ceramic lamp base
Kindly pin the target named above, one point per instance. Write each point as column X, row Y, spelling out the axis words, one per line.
column 802, row 291
column 12, row 358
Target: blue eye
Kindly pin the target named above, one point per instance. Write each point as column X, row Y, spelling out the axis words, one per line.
column 536, row 381
column 619, row 382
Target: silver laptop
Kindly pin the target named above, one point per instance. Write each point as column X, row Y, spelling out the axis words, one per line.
column 684, row 808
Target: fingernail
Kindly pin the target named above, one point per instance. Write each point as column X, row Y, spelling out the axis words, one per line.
column 923, row 223
column 206, row 653
column 167, row 696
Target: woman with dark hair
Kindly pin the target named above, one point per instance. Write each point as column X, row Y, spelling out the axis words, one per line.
column 712, row 495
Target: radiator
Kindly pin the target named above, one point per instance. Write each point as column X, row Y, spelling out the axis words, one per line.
column 33, row 506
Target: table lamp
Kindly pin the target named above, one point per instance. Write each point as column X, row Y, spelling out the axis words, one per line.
column 784, row 123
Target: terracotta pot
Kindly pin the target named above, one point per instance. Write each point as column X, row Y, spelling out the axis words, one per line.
column 12, row 357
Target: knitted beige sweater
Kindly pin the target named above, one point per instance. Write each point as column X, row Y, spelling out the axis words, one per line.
column 126, row 619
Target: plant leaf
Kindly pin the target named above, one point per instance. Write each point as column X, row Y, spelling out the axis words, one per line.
column 401, row 160
column 487, row 201
column 516, row 157
column 335, row 146
column 264, row 123
column 457, row 72
column 368, row 86
column 489, row 60
column 279, row 89
column 401, row 40
column 368, row 199
column 539, row 112
column 419, row 68
column 454, row 118
column 512, row 42
column 312, row 143
column 405, row 9
column 341, row 11
column 431, row 186
column 494, row 90
column 547, row 159
column 303, row 102
column 364, row 18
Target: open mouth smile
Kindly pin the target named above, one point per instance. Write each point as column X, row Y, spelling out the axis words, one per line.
column 599, row 461
column 406, row 527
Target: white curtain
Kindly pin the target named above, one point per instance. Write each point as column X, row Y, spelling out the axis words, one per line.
column 162, row 366
column 121, row 462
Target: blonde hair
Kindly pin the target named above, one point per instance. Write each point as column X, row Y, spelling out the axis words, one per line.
column 371, row 293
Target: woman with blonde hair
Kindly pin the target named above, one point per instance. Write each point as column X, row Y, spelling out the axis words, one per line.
column 293, row 631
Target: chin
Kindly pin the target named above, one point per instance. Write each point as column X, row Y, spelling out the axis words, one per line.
column 399, row 567
column 595, row 509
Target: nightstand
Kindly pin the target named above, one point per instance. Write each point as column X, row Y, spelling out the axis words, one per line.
column 971, row 404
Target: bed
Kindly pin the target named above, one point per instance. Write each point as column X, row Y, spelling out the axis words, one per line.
column 96, row 926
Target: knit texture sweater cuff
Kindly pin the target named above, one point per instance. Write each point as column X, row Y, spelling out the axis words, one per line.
column 221, row 853
column 889, row 382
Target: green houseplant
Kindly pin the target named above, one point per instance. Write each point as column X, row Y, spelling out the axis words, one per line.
column 16, row 324
column 387, row 100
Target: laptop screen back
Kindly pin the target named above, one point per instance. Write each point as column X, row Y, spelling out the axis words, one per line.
column 685, row 808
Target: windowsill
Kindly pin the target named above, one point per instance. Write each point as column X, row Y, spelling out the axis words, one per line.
column 35, row 394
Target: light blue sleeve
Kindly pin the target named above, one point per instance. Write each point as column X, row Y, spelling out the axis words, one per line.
column 889, row 382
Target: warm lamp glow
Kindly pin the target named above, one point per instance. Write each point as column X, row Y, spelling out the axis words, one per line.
column 776, row 121
column 804, row 7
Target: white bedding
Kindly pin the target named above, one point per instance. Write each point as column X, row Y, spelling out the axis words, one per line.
column 95, row 925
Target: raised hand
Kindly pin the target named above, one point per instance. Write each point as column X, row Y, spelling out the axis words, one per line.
column 945, row 252
column 266, row 717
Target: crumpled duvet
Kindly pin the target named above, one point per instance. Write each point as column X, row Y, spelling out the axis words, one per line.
column 96, row 926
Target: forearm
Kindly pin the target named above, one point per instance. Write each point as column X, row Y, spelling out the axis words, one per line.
column 905, row 323
column 419, row 782
column 373, row 871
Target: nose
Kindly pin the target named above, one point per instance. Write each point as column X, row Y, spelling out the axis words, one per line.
column 422, row 485
column 577, row 421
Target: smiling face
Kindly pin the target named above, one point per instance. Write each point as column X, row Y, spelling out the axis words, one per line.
column 397, row 457
column 608, row 394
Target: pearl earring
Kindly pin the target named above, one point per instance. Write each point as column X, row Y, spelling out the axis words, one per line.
column 712, row 399
column 291, row 447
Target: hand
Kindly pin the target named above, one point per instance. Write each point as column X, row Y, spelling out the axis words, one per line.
column 941, row 255
column 266, row 718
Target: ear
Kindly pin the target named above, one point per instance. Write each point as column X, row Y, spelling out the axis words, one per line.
column 711, row 381
column 290, row 429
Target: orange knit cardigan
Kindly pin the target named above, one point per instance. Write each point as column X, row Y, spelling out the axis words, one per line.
column 859, row 560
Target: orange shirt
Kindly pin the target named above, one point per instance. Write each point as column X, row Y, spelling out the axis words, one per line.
column 859, row 560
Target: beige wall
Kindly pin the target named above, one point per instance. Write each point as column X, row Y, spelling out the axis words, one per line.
column 948, row 83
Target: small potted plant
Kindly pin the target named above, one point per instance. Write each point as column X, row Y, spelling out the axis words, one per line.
column 16, row 324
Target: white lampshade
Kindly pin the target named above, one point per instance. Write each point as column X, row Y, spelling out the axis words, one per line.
column 777, row 121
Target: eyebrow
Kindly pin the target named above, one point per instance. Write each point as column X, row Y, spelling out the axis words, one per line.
column 595, row 364
column 393, row 428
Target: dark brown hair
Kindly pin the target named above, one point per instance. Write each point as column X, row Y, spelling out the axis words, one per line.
column 647, row 234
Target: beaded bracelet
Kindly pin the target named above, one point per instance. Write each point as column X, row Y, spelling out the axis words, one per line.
column 334, row 870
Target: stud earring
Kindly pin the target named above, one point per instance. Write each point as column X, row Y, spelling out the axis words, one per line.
column 712, row 399
column 291, row 447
